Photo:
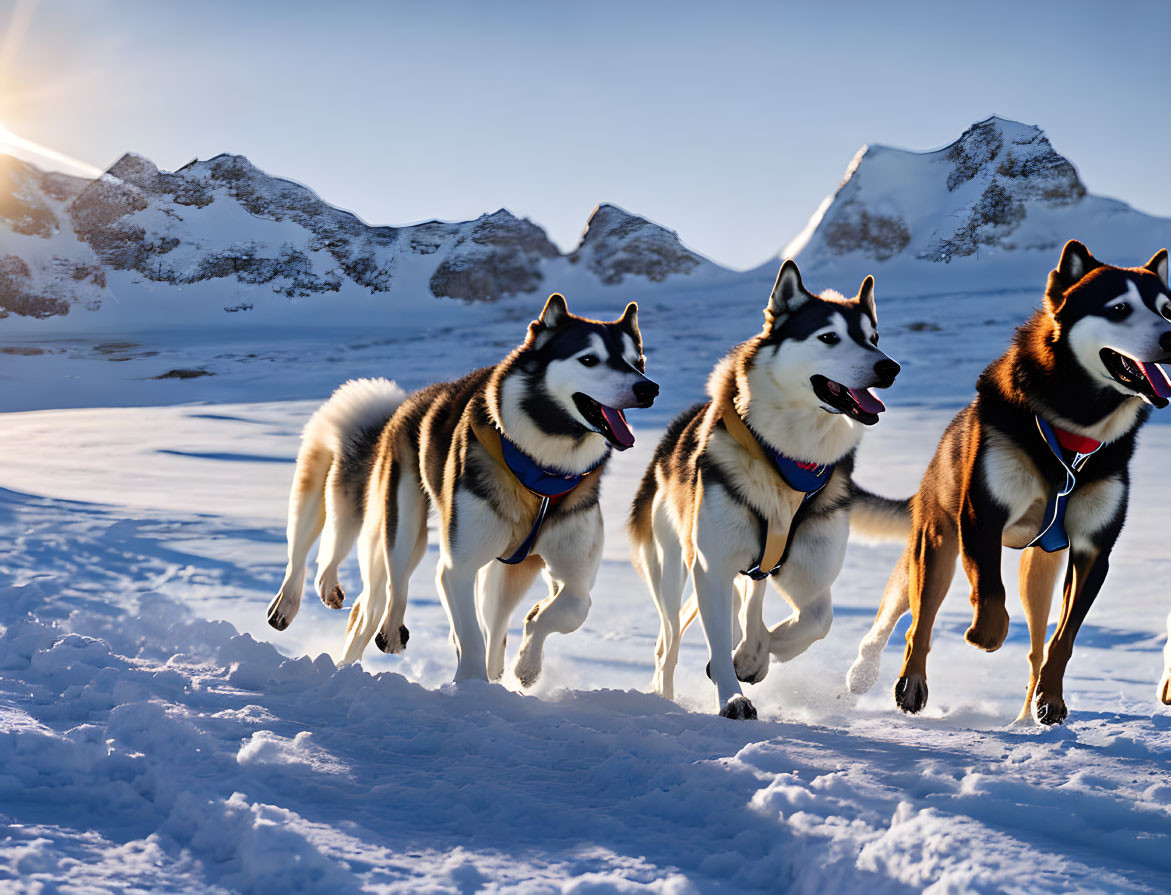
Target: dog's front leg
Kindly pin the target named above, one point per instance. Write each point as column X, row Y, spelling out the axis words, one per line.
column 752, row 655
column 1083, row 579
column 715, row 591
column 471, row 537
column 572, row 550
column 982, row 522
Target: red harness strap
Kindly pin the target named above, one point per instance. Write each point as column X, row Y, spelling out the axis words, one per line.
column 1073, row 442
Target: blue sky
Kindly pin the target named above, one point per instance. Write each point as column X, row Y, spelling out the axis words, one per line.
column 726, row 122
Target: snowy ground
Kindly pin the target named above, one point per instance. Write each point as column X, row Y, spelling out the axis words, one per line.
column 157, row 735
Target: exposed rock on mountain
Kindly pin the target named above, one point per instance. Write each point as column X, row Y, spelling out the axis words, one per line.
column 617, row 244
column 223, row 221
column 999, row 190
column 500, row 254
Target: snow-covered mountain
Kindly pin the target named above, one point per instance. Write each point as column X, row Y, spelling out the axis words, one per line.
column 997, row 203
column 138, row 235
column 221, row 241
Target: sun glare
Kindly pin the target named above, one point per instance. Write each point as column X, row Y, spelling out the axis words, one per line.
column 43, row 156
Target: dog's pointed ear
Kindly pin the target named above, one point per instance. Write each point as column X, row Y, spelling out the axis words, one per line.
column 866, row 299
column 788, row 293
column 555, row 313
column 1158, row 265
column 1076, row 261
column 630, row 321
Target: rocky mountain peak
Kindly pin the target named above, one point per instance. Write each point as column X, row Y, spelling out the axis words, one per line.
column 978, row 192
column 617, row 244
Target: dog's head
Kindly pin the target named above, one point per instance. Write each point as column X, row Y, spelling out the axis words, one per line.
column 580, row 374
column 1115, row 320
column 822, row 350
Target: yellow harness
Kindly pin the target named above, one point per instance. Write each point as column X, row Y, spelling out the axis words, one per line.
column 774, row 540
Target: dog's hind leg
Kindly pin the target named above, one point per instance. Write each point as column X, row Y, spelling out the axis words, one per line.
column 660, row 557
column 368, row 609
column 404, row 543
column 1038, row 576
column 343, row 523
column 863, row 674
column 501, row 588
column 306, row 519
column 933, row 550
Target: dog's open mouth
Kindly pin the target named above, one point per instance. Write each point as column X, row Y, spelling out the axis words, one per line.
column 608, row 421
column 857, row 403
column 1148, row 379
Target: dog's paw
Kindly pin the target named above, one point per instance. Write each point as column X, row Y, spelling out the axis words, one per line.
column 1165, row 689
column 862, row 676
column 333, row 597
column 751, row 668
column 526, row 670
column 278, row 616
column 389, row 645
column 989, row 628
column 911, row 694
column 739, row 708
column 1049, row 709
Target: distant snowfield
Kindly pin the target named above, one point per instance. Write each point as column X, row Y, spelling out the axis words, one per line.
column 157, row 735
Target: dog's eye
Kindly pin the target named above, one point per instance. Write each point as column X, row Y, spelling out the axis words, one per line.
column 1119, row 310
column 830, row 338
column 589, row 360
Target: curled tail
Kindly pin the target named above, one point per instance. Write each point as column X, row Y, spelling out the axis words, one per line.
column 878, row 517
column 353, row 415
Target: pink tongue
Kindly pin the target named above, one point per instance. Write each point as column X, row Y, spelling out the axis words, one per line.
column 1158, row 380
column 617, row 421
column 867, row 400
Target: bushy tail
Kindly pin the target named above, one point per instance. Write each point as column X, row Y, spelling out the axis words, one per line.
column 877, row 517
column 356, row 409
column 355, row 406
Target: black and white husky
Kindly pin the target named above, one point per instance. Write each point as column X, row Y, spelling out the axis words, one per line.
column 757, row 481
column 1039, row 460
column 509, row 455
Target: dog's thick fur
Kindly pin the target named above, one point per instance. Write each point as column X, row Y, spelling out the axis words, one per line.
column 991, row 476
column 373, row 462
column 699, row 507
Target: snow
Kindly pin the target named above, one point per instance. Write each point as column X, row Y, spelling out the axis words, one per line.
column 157, row 735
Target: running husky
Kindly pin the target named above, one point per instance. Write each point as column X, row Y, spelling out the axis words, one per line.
column 510, row 455
column 760, row 476
column 1039, row 461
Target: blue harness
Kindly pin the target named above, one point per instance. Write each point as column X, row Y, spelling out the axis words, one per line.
column 1052, row 536
column 550, row 485
column 808, row 478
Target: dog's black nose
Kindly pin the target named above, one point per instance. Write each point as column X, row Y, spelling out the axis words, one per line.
column 1165, row 341
column 887, row 370
column 646, row 392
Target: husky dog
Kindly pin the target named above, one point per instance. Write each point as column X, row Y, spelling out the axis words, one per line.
column 1037, row 461
column 757, row 480
column 511, row 457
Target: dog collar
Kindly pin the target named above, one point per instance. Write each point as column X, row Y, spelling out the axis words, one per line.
column 550, row 485
column 798, row 475
column 1072, row 451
